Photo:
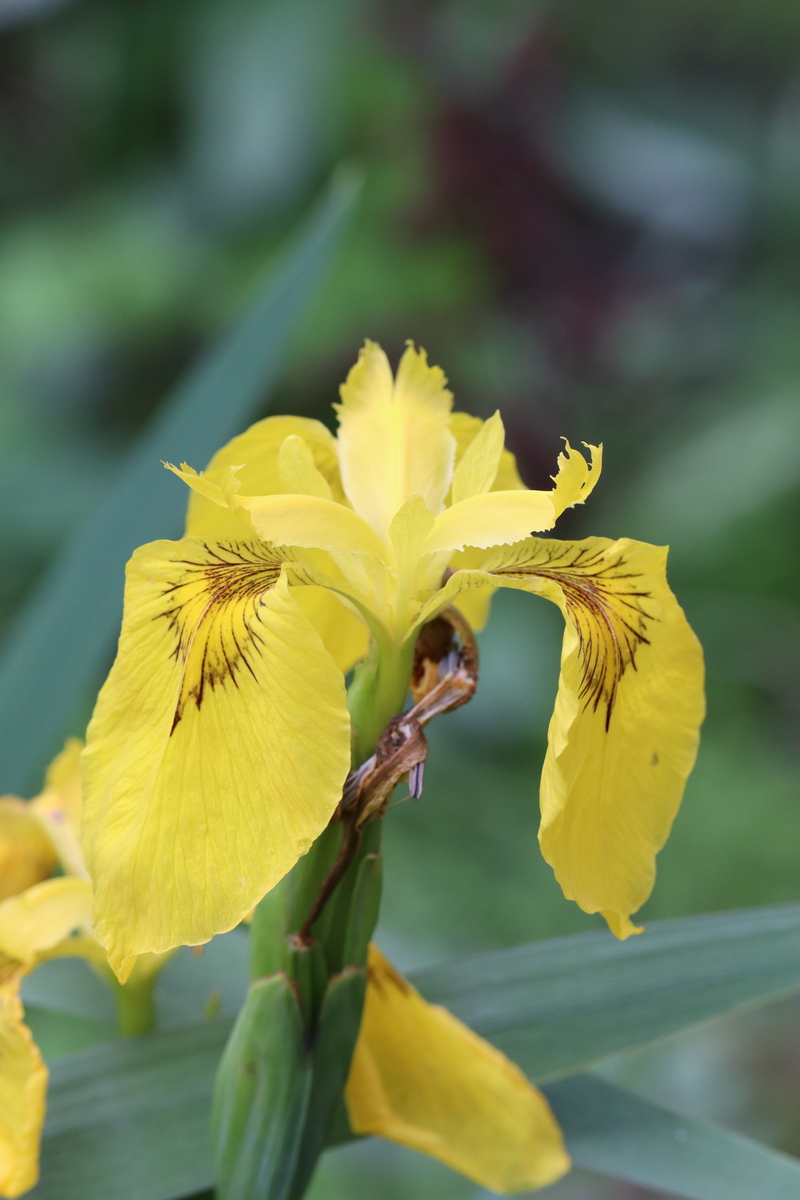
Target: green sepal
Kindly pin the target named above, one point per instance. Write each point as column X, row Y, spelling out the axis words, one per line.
column 337, row 1032
column 261, row 1095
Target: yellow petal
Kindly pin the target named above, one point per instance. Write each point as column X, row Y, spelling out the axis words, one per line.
column 26, row 853
column 576, row 478
column 309, row 521
column 465, row 428
column 394, row 438
column 410, row 526
column 502, row 518
column 255, row 453
column 58, row 807
column 624, row 734
column 421, row 1078
column 477, row 470
column 217, row 750
column 38, row 919
column 297, row 471
column 23, row 1089
column 345, row 636
column 494, row 519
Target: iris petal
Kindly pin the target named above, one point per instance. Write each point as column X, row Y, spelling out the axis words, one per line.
column 217, row 750
column 421, row 1078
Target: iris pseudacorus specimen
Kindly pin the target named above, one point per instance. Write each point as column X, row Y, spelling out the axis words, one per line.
column 221, row 739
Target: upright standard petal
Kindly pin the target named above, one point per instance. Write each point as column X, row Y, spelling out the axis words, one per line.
column 23, row 1087
column 625, row 730
column 217, row 750
column 394, row 436
column 465, row 428
column 256, row 453
column 421, row 1078
column 478, row 466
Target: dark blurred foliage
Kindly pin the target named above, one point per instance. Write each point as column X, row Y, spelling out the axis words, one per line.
column 588, row 214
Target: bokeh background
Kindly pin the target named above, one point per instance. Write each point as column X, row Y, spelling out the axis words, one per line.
column 587, row 213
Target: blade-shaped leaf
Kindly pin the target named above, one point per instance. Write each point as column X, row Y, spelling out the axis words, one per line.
column 557, row 1006
column 56, row 649
column 554, row 1006
column 129, row 1121
column 612, row 1130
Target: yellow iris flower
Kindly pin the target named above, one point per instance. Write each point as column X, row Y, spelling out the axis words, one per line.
column 220, row 741
column 43, row 918
column 40, row 918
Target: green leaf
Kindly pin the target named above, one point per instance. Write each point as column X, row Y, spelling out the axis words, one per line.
column 57, row 648
column 129, row 1121
column 612, row 1130
column 557, row 1006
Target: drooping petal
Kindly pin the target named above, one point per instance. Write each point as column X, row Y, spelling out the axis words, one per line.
column 624, row 734
column 465, row 428
column 217, row 750
column 421, row 1078
column 479, row 464
column 23, row 1088
column 58, row 807
column 255, row 453
column 27, row 854
column 394, row 437
column 38, row 919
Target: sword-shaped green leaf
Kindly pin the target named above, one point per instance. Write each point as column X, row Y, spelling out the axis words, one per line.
column 129, row 1121
column 557, row 1006
column 612, row 1130
column 55, row 651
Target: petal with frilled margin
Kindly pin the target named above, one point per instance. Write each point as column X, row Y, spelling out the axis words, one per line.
column 23, row 1087
column 217, row 750
column 625, row 729
column 394, row 436
column 422, row 1078
column 503, row 518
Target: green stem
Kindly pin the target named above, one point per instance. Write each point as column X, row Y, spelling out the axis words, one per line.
column 378, row 693
column 136, row 1010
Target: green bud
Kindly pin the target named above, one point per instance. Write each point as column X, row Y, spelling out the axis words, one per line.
column 261, row 1095
column 336, row 1034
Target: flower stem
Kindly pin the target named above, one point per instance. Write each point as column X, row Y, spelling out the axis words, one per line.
column 378, row 693
column 136, row 1010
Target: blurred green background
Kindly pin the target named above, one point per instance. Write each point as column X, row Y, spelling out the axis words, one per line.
column 588, row 215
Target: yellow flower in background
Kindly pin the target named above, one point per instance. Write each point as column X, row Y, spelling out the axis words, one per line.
column 40, row 918
column 43, row 918
column 221, row 739
column 421, row 1078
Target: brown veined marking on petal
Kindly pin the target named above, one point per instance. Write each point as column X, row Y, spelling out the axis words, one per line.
column 593, row 601
column 230, row 584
